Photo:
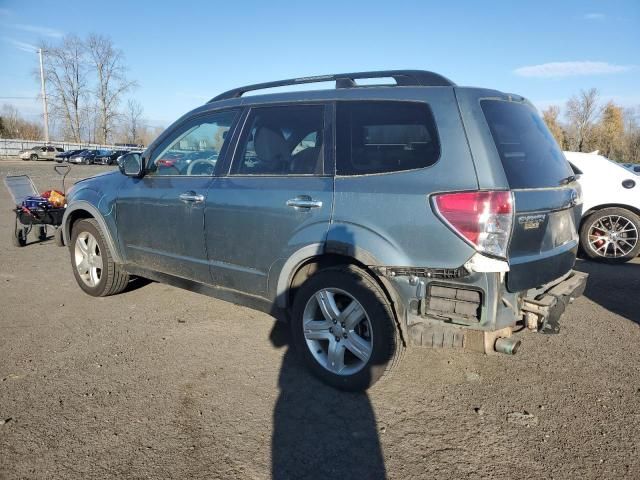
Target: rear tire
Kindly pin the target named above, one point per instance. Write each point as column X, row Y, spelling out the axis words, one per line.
column 611, row 235
column 93, row 266
column 352, row 343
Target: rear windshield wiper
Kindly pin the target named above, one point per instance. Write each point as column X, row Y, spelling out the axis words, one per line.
column 567, row 180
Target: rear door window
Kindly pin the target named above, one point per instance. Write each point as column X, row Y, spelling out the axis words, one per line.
column 530, row 155
column 381, row 137
column 282, row 140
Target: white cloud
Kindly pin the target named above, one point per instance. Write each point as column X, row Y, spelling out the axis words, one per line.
column 25, row 47
column 594, row 16
column 44, row 31
column 570, row 69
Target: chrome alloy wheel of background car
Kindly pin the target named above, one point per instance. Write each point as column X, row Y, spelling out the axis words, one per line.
column 88, row 259
column 613, row 236
column 338, row 331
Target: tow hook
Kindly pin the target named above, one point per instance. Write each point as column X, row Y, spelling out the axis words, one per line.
column 507, row 345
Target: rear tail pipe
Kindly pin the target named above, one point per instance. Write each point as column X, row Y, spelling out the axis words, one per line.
column 508, row 345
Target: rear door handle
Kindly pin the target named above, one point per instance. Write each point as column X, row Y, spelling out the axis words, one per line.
column 304, row 202
column 191, row 197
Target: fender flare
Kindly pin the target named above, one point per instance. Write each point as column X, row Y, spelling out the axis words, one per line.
column 93, row 211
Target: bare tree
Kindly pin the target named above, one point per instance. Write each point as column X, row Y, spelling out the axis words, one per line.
column 111, row 85
column 66, row 72
column 13, row 125
column 582, row 110
column 133, row 122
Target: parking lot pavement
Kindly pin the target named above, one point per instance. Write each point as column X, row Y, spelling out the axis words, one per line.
column 163, row 383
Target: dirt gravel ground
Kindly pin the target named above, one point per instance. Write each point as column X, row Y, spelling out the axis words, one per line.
column 163, row 383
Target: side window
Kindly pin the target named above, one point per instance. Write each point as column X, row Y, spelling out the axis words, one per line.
column 381, row 137
column 50, row 149
column 194, row 149
column 283, row 140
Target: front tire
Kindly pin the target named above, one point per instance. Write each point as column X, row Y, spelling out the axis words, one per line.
column 93, row 266
column 33, row 157
column 344, row 328
column 611, row 235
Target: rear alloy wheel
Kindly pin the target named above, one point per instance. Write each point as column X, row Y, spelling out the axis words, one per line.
column 93, row 266
column 611, row 235
column 344, row 328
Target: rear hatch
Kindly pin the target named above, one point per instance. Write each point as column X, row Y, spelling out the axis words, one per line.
column 507, row 135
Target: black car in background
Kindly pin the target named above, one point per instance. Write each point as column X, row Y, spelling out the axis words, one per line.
column 64, row 156
column 117, row 154
column 88, row 157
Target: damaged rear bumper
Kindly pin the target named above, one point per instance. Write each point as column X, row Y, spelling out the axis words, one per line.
column 474, row 310
column 542, row 310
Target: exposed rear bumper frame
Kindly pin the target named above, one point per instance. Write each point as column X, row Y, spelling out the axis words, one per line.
column 543, row 310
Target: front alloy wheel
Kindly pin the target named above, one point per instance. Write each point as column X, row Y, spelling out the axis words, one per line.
column 88, row 259
column 93, row 266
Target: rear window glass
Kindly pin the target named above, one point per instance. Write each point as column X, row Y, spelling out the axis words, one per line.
column 530, row 155
column 380, row 137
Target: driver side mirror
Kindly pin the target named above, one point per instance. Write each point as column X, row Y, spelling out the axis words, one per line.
column 131, row 164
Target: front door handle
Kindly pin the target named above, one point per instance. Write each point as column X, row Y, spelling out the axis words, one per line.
column 191, row 197
column 304, row 202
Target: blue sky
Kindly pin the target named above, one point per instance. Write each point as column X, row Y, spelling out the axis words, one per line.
column 185, row 52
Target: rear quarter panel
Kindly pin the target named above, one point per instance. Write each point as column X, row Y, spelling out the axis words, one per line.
column 387, row 219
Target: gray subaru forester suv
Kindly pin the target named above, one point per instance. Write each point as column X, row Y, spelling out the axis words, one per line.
column 370, row 217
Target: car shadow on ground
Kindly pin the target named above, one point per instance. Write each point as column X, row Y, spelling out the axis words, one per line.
column 614, row 287
column 318, row 431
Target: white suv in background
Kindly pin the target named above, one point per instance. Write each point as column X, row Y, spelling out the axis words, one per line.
column 45, row 152
column 611, row 209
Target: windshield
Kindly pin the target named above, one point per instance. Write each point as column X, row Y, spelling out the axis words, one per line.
column 530, row 155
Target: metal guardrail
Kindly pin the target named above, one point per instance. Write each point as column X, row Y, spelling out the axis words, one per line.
column 12, row 146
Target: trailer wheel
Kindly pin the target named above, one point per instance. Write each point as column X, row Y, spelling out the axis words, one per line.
column 19, row 237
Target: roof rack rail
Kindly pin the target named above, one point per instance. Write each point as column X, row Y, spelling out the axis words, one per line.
column 403, row 78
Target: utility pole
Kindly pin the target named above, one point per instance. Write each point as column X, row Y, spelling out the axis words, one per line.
column 44, row 100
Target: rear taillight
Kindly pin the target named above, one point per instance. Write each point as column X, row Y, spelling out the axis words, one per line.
column 483, row 219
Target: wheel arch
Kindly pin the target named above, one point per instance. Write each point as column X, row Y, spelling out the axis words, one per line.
column 597, row 208
column 80, row 210
column 309, row 260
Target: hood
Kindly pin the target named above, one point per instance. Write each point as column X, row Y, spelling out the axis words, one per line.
column 99, row 175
